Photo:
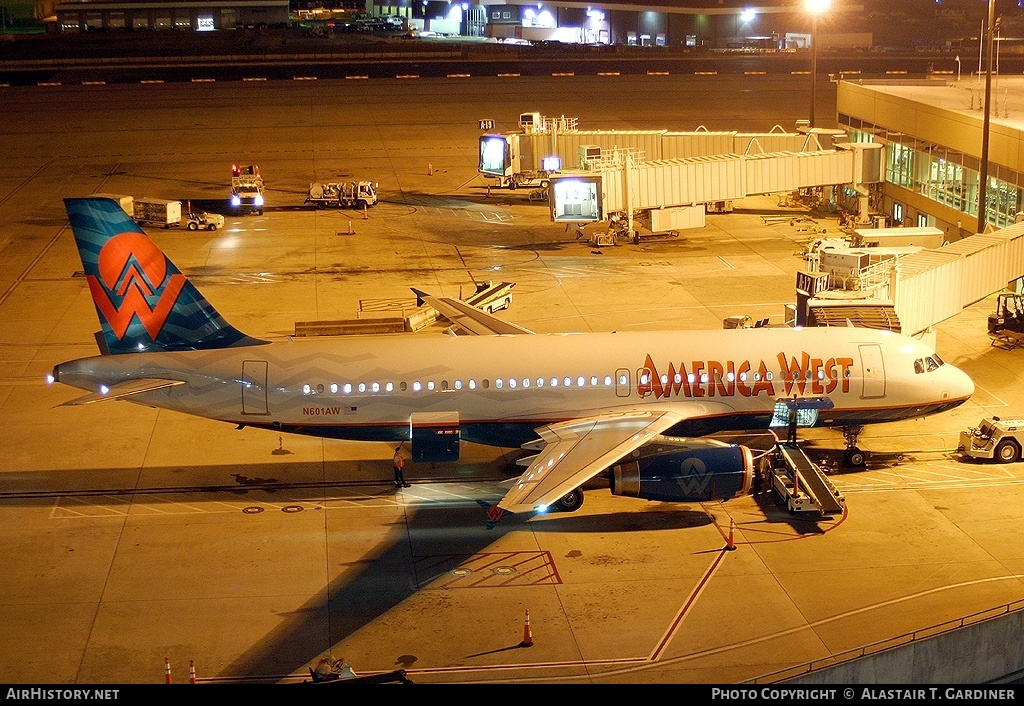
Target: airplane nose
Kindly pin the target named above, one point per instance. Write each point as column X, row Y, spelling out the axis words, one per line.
column 962, row 385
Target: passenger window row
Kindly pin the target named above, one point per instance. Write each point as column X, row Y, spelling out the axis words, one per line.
column 499, row 383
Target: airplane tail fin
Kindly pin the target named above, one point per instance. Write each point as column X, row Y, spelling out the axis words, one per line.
column 143, row 301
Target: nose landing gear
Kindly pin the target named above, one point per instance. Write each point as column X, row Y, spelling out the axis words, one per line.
column 853, row 457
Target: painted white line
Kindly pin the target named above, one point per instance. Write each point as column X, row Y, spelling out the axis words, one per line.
column 458, row 75
column 94, row 83
column 48, row 83
column 705, row 73
column 204, row 80
column 407, row 76
column 564, row 73
column 657, row 73
column 152, row 80
column 755, row 73
column 357, row 77
column 260, row 78
column 304, row 78
column 506, row 75
column 607, row 73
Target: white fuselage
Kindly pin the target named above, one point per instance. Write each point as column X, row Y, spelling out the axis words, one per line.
column 501, row 387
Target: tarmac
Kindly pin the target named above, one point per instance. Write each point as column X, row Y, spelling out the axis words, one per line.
column 131, row 536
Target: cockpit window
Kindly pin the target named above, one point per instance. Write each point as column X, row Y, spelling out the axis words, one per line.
column 932, row 362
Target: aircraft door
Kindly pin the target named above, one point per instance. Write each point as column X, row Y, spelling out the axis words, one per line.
column 873, row 368
column 254, row 387
column 622, row 386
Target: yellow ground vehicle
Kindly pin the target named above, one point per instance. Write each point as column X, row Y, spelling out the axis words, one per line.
column 993, row 438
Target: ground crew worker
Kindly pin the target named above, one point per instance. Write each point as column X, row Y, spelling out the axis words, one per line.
column 399, row 464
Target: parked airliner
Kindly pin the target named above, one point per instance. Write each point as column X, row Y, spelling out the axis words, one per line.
column 633, row 403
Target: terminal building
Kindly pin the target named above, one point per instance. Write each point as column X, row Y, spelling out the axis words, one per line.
column 932, row 131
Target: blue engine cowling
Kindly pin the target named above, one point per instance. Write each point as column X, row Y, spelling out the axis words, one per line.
column 677, row 470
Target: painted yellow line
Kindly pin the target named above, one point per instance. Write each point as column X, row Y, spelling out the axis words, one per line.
column 304, row 78
column 657, row 73
column 94, row 83
column 48, row 83
column 204, row 80
column 407, row 76
column 357, row 77
column 504, row 75
column 800, row 73
column 254, row 79
column 755, row 73
column 607, row 73
column 152, row 81
column 458, row 75
column 566, row 73
column 705, row 73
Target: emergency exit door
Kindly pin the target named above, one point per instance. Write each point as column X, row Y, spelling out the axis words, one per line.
column 254, row 387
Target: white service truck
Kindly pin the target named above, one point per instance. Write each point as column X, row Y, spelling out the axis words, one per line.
column 994, row 438
column 163, row 212
column 346, row 194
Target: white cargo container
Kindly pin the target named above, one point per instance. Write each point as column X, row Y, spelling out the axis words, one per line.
column 163, row 212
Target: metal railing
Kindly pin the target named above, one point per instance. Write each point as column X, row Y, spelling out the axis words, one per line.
column 887, row 644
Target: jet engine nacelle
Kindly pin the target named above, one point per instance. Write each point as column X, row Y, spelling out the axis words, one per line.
column 677, row 470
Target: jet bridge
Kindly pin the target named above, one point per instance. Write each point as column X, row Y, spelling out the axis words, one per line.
column 670, row 191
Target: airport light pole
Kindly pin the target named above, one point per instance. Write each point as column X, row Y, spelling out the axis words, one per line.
column 815, row 7
column 983, row 172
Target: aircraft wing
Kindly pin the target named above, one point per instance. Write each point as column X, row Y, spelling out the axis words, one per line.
column 124, row 389
column 577, row 450
column 467, row 317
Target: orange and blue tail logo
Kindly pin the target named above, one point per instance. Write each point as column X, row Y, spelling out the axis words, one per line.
column 494, row 513
column 143, row 301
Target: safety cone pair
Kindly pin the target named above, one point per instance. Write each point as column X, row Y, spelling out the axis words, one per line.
column 527, row 635
column 191, row 670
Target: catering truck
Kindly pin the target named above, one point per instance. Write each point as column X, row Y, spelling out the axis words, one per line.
column 246, row 189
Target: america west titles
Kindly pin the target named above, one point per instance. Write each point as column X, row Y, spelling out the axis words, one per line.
column 711, row 378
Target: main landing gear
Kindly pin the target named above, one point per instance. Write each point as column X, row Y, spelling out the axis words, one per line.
column 852, row 456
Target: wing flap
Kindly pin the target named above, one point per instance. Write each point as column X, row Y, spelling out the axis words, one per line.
column 577, row 450
column 124, row 389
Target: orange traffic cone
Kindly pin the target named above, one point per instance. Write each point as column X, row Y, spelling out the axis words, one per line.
column 430, row 169
column 365, row 217
column 732, row 526
column 167, row 670
column 191, row 671
column 527, row 635
column 350, row 231
column 488, row 191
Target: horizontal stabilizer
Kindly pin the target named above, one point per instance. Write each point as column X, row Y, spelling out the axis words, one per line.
column 124, row 389
column 467, row 317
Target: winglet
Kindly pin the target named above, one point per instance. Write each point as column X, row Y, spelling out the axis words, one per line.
column 420, row 296
column 494, row 513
